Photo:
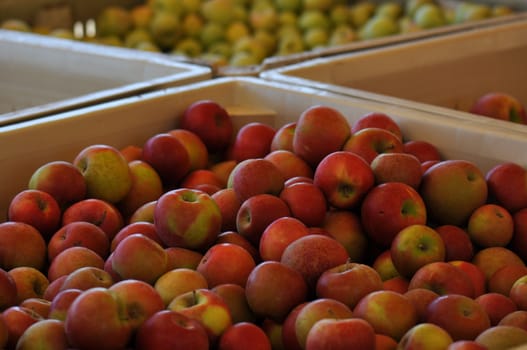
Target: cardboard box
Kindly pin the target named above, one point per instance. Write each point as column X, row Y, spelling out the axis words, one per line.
column 27, row 145
column 444, row 75
column 43, row 75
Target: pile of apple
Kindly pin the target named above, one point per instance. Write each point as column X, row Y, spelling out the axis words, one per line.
column 319, row 234
column 241, row 32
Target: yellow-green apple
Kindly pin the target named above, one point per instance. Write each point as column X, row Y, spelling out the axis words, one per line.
column 518, row 293
column 187, row 218
column 312, row 255
column 516, row 318
column 384, row 342
column 144, row 213
column 182, row 257
column 97, row 211
column 458, row 245
column 17, row 320
column 466, row 345
column 172, row 330
column 452, row 190
column 146, row 187
column 290, row 164
column 8, row 291
column 236, row 238
column 345, row 227
column 265, row 293
column 507, row 185
column 61, row 302
column 496, row 306
column 98, row 319
column 16, row 237
column 490, row 225
column 461, row 316
column 491, row 259
column 519, row 238
column 223, row 169
column 202, row 179
column 36, row 208
column 397, row 167
column 377, row 120
column 47, row 334
column 500, row 105
column 397, row 284
column 502, row 280
column 425, row 336
column 320, row 130
column 347, row 333
column 389, row 312
column 226, row 263
column 390, row 207
column 30, row 282
column 277, row 236
column 71, row 259
column 306, row 202
column 348, row 283
column 257, row 212
column 244, row 335
column 289, row 339
column 253, row 140
column 372, row 141
column 143, row 227
column 255, row 176
column 60, row 179
column 178, row 281
column 344, row 178
column 283, row 137
column 167, row 155
column 383, row 264
column 210, row 122
column 315, row 310
column 234, row 297
column 196, row 148
column 423, row 150
column 79, row 233
column 40, row 305
column 414, row 247
column 442, row 278
column 87, row 277
column 131, row 152
column 229, row 204
column 475, row 274
column 503, row 337
column 421, row 297
column 139, row 257
column 105, row 171
column 206, row 307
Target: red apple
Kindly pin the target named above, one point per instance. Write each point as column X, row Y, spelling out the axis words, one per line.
column 61, row 302
column 341, row 334
column 30, row 282
column 223, row 169
column 16, row 237
column 519, row 238
column 143, row 227
column 370, row 142
column 229, row 204
column 196, row 148
column 131, row 152
column 507, row 184
column 490, row 225
column 306, row 202
column 54, row 287
column 421, row 297
column 204, row 179
column 144, row 213
column 17, row 320
column 397, row 167
column 290, row 164
column 289, row 339
column 475, row 274
column 182, row 257
column 397, row 284
column 491, row 259
column 518, row 293
column 516, row 318
column 253, row 140
column 38, row 304
column 466, row 345
column 377, row 120
column 503, row 278
column 496, row 306
column 442, row 278
column 283, row 137
column 48, row 334
column 500, row 105
column 8, row 291
column 277, row 236
column 458, row 245
column 79, row 233
column 384, row 342
column 244, row 335
column 234, row 297
column 234, row 237
column 71, row 259
column 87, row 277
column 423, row 150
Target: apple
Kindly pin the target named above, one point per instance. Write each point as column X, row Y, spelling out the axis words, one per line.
column 516, row 318
column 388, row 208
column 182, row 257
column 54, row 287
column 60, row 179
column 290, row 164
column 87, row 277
column 8, row 291
column 461, row 316
column 306, row 202
column 423, row 150
column 30, row 282
column 344, row 178
column 384, row 342
column 348, row 333
column 452, row 190
column 143, row 227
column 490, row 225
column 139, row 257
column 255, row 176
column 320, row 130
column 491, row 259
column 223, row 169
column 234, row 297
column 131, row 152
column 397, row 284
column 17, row 319
column 428, row 164
column 397, row 167
column 253, row 140
column 202, row 179
column 48, row 333
column 38, row 304
column 421, row 297
column 348, row 283
column 289, row 338
column 273, row 330
column 372, row 141
column 383, row 264
column 502, row 337
column 265, row 294
column 442, row 278
column 244, row 335
column 210, row 122
column 61, row 302
column 496, row 306
column 518, row 293
column 98, row 212
column 144, row 213
column 206, row 307
column 196, row 148
column 79, row 233
column 173, row 330
column 519, row 238
column 257, row 212
column 226, row 263
column 500, row 105
column 458, row 245
column 177, row 281
column 168, row 157
column 503, row 278
column 283, row 137
column 229, row 204
column 475, row 274
column 466, row 345
column 36, row 208
column 234, row 237
column 312, row 255
column 187, row 218
column 277, row 236
column 377, row 120
column 507, row 184
column 105, row 171
column 71, row 259
column 425, row 336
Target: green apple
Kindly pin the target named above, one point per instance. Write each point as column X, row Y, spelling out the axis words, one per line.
column 412, row 5
column 174, row 7
column 316, row 37
column 320, row 5
column 189, row 47
column 341, row 35
column 288, row 5
column 136, row 36
column 165, row 29
column 211, row 33
column 309, row 19
column 114, row 20
column 361, row 12
column 429, row 16
column 192, row 25
column 392, row 9
column 237, row 30
column 377, row 27
column 290, row 42
column 218, row 11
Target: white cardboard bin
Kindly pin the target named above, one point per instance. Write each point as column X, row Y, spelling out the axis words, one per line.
column 41, row 75
column 443, row 75
column 27, row 145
